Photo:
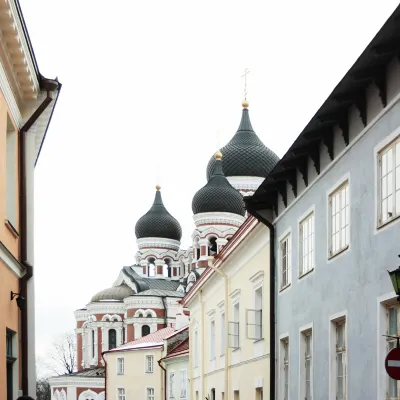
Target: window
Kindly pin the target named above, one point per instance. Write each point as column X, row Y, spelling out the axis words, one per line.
column 340, row 361
column 150, row 364
column 121, row 394
column 339, row 220
column 306, row 245
column 11, row 365
column 212, row 340
column 254, row 317
column 223, row 334
column 259, row 394
column 11, row 174
column 120, row 366
column 171, row 385
column 112, row 339
column 236, row 395
column 307, row 372
column 392, row 330
column 196, row 349
column 213, row 394
column 145, row 330
column 389, row 182
column 234, row 341
column 93, row 345
column 150, row 394
column 286, row 264
column 184, row 381
column 285, row 368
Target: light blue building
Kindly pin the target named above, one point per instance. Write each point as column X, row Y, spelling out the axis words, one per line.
column 333, row 205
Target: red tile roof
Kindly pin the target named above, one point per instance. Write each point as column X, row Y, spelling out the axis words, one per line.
column 181, row 349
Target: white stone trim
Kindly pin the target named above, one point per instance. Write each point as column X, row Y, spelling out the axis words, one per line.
column 211, row 218
column 155, row 242
column 11, row 262
column 245, row 182
column 106, row 308
column 76, row 381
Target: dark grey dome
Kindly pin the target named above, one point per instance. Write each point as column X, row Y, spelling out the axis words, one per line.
column 115, row 293
column 218, row 195
column 245, row 154
column 158, row 222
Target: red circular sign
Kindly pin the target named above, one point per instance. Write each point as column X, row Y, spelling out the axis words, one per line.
column 392, row 364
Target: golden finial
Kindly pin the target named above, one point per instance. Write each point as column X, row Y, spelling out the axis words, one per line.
column 158, row 187
column 218, row 155
column 245, row 103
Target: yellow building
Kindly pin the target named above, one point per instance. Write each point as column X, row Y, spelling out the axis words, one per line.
column 229, row 320
column 27, row 102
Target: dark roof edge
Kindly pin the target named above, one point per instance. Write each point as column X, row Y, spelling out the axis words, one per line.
column 390, row 31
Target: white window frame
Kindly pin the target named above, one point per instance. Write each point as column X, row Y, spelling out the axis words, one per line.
column 393, row 145
column 305, row 332
column 196, row 349
column 309, row 214
column 149, row 366
column 184, row 384
column 284, row 366
column 287, row 237
column 339, row 208
column 390, row 344
column 223, row 332
column 121, row 393
column 150, row 396
column 212, row 339
column 171, row 385
column 120, row 366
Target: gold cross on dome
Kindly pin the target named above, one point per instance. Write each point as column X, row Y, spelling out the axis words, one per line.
column 246, row 71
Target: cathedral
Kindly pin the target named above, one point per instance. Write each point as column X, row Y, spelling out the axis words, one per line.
column 145, row 296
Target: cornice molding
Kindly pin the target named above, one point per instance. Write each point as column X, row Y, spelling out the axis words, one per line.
column 218, row 218
column 109, row 308
column 84, row 381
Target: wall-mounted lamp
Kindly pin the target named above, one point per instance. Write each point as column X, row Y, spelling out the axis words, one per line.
column 21, row 301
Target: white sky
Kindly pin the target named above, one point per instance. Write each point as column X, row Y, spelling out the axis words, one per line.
column 148, row 86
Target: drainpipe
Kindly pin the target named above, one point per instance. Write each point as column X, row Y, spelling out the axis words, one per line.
column 226, row 305
column 49, row 85
column 105, row 374
column 202, row 341
column 165, row 378
column 272, row 315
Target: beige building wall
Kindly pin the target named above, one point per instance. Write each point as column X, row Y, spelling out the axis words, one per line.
column 247, row 269
column 177, row 378
column 135, row 379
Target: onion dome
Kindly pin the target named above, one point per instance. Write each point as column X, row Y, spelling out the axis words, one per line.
column 245, row 154
column 218, row 195
column 115, row 293
column 158, row 222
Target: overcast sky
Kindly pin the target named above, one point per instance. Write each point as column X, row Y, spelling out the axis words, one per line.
column 148, row 87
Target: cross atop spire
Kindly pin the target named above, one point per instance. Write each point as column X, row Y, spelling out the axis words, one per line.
column 246, row 71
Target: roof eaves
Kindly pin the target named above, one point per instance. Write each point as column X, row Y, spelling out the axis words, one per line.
column 385, row 45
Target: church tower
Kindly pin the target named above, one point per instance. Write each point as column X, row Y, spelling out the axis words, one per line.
column 247, row 161
column 158, row 236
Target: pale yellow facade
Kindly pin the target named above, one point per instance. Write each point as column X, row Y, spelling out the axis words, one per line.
column 136, row 380
column 241, row 370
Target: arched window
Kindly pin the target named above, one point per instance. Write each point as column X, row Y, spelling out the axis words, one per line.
column 112, row 339
column 123, row 335
column 145, row 330
column 212, row 247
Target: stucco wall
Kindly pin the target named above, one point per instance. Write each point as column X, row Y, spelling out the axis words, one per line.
column 350, row 283
column 247, row 268
column 176, row 366
column 135, row 380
